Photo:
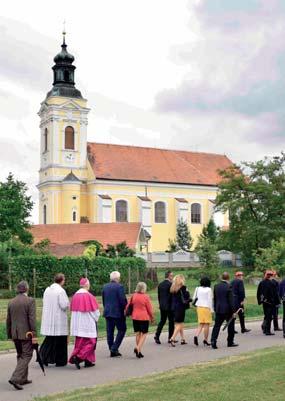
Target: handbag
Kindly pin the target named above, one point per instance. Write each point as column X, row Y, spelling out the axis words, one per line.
column 129, row 308
column 195, row 299
column 185, row 301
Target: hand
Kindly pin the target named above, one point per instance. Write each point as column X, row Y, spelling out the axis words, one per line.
column 35, row 340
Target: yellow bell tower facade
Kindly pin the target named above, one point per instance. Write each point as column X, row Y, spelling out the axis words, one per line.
column 63, row 149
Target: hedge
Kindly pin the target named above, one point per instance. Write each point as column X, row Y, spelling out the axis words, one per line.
column 39, row 271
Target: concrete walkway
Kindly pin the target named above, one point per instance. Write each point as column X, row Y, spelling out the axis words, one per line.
column 158, row 358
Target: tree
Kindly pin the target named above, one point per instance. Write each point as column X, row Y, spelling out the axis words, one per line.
column 183, row 236
column 253, row 194
column 210, row 231
column 208, row 257
column 15, row 210
column 272, row 257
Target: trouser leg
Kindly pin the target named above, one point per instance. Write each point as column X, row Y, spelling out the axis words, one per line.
column 231, row 330
column 24, row 355
column 241, row 319
column 170, row 324
column 219, row 318
column 122, row 328
column 275, row 318
column 268, row 311
column 110, row 326
column 163, row 318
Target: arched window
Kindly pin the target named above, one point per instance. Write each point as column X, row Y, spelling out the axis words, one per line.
column 46, row 140
column 159, row 212
column 121, row 211
column 45, row 214
column 66, row 76
column 74, row 217
column 196, row 213
column 69, row 138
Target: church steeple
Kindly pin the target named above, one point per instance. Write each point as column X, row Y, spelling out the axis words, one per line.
column 63, row 74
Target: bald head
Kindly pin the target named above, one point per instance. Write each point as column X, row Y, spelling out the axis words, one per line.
column 226, row 276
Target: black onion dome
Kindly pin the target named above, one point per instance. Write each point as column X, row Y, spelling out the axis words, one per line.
column 63, row 74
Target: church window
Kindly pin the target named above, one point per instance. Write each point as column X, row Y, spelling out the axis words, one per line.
column 69, row 138
column 46, row 140
column 74, row 217
column 196, row 213
column 66, row 76
column 45, row 214
column 121, row 211
column 160, row 212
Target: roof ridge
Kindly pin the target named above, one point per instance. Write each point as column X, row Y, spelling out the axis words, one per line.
column 150, row 147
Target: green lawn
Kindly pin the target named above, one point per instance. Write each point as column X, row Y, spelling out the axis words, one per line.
column 250, row 377
column 253, row 310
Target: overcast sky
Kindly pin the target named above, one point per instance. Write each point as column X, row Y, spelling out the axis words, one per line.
column 204, row 75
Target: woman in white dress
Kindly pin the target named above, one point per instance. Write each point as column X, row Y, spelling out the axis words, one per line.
column 203, row 300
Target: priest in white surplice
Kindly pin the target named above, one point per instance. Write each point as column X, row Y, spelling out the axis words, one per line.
column 55, row 323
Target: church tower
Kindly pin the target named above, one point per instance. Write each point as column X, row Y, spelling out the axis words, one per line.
column 63, row 149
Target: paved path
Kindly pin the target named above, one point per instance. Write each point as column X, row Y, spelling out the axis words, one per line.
column 158, row 358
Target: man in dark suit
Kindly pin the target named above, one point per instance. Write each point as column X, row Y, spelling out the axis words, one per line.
column 239, row 298
column 114, row 301
column 165, row 299
column 268, row 297
column 21, row 318
column 282, row 298
column 224, row 310
column 276, row 309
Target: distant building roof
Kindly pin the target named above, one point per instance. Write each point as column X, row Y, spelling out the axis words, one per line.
column 105, row 233
column 133, row 163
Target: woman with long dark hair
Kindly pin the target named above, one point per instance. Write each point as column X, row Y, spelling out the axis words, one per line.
column 203, row 298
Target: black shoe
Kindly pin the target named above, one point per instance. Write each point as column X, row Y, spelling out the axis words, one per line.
column 269, row 334
column 157, row 340
column 26, row 382
column 88, row 364
column 214, row 346
column 206, row 343
column 172, row 343
column 115, row 354
column 136, row 352
column 245, row 331
column 141, row 355
column 17, row 386
column 278, row 329
column 76, row 361
column 233, row 345
column 196, row 340
column 236, row 332
column 183, row 342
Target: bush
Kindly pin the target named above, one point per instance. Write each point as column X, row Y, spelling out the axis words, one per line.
column 40, row 270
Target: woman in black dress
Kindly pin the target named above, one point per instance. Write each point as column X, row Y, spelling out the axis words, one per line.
column 180, row 303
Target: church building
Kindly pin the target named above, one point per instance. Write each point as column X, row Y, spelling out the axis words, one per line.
column 83, row 183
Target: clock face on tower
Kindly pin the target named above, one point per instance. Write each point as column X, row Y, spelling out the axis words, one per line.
column 69, row 157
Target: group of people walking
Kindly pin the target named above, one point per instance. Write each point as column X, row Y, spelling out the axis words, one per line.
column 226, row 300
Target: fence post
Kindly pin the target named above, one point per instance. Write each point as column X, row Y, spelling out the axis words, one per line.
column 34, row 282
column 129, row 281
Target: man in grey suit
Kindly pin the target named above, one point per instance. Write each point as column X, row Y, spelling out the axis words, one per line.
column 21, row 319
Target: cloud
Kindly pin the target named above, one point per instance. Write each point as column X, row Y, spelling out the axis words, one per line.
column 234, row 85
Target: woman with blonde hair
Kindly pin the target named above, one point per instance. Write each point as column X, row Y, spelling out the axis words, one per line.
column 180, row 303
column 141, row 311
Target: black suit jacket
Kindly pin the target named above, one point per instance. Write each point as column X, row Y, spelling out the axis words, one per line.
column 164, row 295
column 238, row 292
column 267, row 293
column 223, row 298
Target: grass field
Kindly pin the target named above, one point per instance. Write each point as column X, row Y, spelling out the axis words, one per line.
column 252, row 310
column 250, row 377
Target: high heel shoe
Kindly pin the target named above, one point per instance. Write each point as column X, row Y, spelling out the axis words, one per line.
column 205, row 342
column 196, row 341
column 172, row 343
column 183, row 342
column 136, row 352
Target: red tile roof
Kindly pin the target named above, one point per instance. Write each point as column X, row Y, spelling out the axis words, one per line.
column 67, row 250
column 105, row 233
column 133, row 163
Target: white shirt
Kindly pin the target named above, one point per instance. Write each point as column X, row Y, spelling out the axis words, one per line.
column 84, row 324
column 54, row 315
column 205, row 297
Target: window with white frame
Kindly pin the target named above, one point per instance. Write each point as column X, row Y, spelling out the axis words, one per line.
column 105, row 209
column 121, row 211
column 196, row 213
column 160, row 212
